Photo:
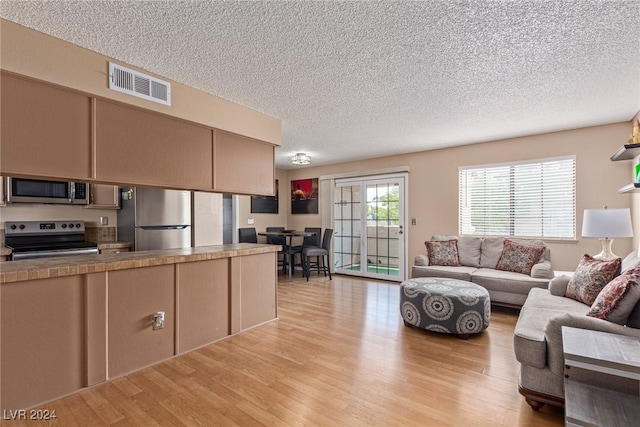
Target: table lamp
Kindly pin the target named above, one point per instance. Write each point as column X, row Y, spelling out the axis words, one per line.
column 605, row 224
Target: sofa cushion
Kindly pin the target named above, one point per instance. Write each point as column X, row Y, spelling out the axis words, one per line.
column 498, row 280
column 468, row 248
column 443, row 252
column 460, row 273
column 443, row 237
column 530, row 344
column 491, row 249
column 590, row 277
column 630, row 261
column 617, row 299
column 519, row 257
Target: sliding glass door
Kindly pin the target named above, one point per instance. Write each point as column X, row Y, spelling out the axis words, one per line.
column 369, row 227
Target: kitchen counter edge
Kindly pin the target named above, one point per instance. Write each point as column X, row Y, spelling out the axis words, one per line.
column 113, row 245
column 18, row 271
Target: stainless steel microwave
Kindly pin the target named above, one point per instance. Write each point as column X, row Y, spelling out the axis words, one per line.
column 22, row 190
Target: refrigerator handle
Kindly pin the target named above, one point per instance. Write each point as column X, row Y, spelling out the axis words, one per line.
column 163, row 227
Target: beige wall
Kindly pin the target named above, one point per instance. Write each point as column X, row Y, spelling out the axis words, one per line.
column 37, row 55
column 433, row 184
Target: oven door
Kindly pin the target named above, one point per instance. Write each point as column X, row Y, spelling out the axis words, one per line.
column 53, row 253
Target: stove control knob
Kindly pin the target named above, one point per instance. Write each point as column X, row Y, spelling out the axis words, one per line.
column 77, row 225
column 70, row 225
column 21, row 226
column 64, row 225
column 13, row 226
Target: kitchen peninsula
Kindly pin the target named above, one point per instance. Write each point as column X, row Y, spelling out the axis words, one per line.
column 73, row 322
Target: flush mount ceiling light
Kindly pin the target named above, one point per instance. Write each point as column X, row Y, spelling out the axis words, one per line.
column 301, row 159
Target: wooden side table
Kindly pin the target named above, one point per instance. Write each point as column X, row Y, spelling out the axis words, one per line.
column 612, row 354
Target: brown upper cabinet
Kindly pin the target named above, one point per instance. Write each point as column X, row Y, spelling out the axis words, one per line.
column 104, row 196
column 46, row 131
column 58, row 133
column 144, row 148
column 243, row 165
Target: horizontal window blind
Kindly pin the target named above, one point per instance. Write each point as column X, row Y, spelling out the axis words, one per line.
column 524, row 199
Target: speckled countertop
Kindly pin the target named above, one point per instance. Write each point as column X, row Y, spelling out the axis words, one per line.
column 113, row 245
column 17, row 271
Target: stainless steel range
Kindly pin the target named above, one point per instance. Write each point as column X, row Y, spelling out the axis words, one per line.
column 45, row 239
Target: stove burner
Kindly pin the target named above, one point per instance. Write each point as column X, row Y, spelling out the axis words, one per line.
column 43, row 239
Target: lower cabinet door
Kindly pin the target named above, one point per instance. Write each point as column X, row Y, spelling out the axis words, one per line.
column 202, row 291
column 258, row 289
column 42, row 340
column 135, row 296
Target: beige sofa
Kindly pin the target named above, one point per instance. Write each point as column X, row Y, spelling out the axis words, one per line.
column 478, row 257
column 538, row 340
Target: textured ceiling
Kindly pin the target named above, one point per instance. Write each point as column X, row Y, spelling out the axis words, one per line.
column 354, row 80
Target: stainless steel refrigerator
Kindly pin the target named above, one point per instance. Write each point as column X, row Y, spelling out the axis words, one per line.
column 153, row 218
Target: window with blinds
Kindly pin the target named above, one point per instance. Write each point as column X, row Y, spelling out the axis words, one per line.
column 524, row 199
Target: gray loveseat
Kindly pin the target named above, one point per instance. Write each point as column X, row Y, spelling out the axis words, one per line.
column 478, row 257
column 538, row 340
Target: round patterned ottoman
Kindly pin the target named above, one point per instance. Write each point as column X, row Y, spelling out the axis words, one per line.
column 450, row 306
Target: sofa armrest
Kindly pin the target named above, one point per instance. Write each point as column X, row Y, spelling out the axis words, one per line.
column 558, row 285
column 542, row 270
column 422, row 260
column 553, row 335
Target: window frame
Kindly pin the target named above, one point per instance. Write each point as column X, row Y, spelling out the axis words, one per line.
column 557, row 190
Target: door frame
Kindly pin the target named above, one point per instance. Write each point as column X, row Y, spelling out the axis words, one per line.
column 403, row 180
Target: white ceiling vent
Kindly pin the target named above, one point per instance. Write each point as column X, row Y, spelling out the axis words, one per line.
column 135, row 83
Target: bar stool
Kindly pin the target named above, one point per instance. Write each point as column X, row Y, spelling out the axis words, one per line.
column 321, row 255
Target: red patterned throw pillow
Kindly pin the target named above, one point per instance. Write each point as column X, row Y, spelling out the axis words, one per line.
column 616, row 300
column 443, row 252
column 519, row 257
column 590, row 277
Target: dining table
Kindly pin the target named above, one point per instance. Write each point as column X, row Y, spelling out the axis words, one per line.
column 288, row 239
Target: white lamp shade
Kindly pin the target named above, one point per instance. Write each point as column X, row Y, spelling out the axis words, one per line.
column 607, row 223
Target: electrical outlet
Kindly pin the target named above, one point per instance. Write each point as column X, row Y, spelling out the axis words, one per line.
column 158, row 320
column 104, row 220
column 250, row 221
column 413, row 221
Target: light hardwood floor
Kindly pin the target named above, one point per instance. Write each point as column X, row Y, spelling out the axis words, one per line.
column 339, row 355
